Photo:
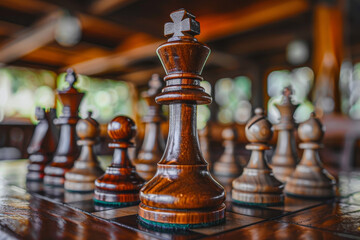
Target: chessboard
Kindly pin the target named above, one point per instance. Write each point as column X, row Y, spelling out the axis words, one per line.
column 34, row 211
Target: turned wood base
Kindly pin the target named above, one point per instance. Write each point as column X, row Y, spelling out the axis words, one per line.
column 179, row 216
column 81, row 180
column 261, row 199
column 55, row 172
column 318, row 184
column 36, row 167
column 282, row 172
column 118, row 185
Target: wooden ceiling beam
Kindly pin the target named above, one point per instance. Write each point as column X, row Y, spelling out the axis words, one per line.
column 103, row 7
column 213, row 27
column 30, row 39
column 218, row 26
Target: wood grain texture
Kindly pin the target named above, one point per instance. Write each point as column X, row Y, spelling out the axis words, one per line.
column 43, row 144
column 257, row 185
column 182, row 191
column 153, row 145
column 81, row 178
column 120, row 183
column 67, row 151
column 285, row 158
column 310, row 179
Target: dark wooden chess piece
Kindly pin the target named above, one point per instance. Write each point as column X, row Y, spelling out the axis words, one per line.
column 257, row 185
column 310, row 179
column 42, row 145
column 81, row 178
column 227, row 168
column 285, row 157
column 67, row 150
column 153, row 145
column 183, row 193
column 120, row 185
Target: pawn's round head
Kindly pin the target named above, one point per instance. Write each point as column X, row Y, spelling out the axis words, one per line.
column 258, row 129
column 228, row 134
column 87, row 128
column 122, row 129
column 311, row 130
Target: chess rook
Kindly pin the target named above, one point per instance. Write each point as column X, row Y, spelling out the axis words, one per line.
column 257, row 185
column 86, row 169
column 42, row 145
column 120, row 184
column 67, row 150
column 285, row 157
column 153, row 146
column 310, row 179
column 182, row 194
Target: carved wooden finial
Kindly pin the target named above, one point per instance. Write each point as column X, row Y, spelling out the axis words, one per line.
column 184, row 24
column 70, row 77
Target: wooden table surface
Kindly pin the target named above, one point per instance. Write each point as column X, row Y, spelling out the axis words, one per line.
column 45, row 213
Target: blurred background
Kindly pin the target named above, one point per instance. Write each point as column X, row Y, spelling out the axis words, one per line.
column 258, row 48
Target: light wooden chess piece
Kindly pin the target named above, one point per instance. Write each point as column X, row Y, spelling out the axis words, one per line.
column 257, row 185
column 67, row 151
column 182, row 194
column 81, row 178
column 120, row 185
column 310, row 179
column 285, row 157
column 226, row 169
column 153, row 146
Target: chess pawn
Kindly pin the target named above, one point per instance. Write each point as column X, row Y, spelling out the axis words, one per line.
column 310, row 179
column 86, row 169
column 285, row 157
column 257, row 184
column 153, row 145
column 120, row 184
column 67, row 150
column 183, row 193
column 227, row 168
column 42, row 144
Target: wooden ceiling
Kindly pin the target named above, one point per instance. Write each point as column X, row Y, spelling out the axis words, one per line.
column 119, row 37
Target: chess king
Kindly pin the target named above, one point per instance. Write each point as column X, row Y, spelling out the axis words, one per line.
column 182, row 194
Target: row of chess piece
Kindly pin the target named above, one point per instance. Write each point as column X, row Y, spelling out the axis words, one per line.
column 263, row 181
column 182, row 193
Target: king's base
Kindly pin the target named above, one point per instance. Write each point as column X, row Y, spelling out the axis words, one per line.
column 257, row 199
column 181, row 218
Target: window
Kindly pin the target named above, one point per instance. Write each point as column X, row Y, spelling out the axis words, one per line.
column 22, row 89
column 301, row 81
column 233, row 97
column 105, row 98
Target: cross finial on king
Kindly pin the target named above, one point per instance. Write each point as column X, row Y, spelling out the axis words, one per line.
column 184, row 24
column 70, row 77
